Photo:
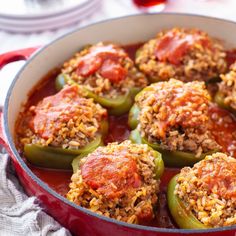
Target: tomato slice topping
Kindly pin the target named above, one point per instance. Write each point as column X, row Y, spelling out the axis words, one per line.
column 174, row 45
column 88, row 65
column 53, row 111
column 220, row 176
column 111, row 174
column 104, row 60
column 113, row 71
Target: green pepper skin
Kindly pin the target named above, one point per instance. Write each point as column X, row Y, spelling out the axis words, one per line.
column 184, row 218
column 61, row 81
column 76, row 162
column 123, row 107
column 170, row 158
column 219, row 100
column 159, row 164
column 133, row 117
column 135, row 137
column 135, row 110
column 56, row 158
column 116, row 106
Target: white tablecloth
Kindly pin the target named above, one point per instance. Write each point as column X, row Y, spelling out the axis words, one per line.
column 19, row 214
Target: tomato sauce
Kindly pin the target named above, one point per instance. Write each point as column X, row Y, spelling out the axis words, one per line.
column 110, row 175
column 219, row 176
column 224, row 129
column 231, row 56
column 224, row 125
column 53, row 110
column 57, row 180
column 45, row 88
column 103, row 59
column 175, row 44
column 132, row 49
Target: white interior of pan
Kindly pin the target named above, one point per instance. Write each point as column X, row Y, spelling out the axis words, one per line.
column 126, row 30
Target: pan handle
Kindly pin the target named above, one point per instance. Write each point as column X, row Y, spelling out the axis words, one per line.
column 2, row 139
column 22, row 54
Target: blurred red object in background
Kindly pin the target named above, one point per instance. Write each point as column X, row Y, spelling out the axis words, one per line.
column 148, row 3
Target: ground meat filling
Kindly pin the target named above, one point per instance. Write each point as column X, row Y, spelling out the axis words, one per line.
column 175, row 115
column 117, row 181
column 186, row 54
column 104, row 69
column 209, row 190
column 228, row 87
column 62, row 120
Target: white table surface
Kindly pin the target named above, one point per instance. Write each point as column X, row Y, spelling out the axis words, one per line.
column 108, row 9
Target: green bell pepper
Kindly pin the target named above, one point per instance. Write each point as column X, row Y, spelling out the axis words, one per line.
column 116, row 106
column 135, row 137
column 61, row 158
column 159, row 164
column 135, row 110
column 76, row 162
column 56, row 157
column 219, row 100
column 170, row 158
column 184, row 218
column 133, row 116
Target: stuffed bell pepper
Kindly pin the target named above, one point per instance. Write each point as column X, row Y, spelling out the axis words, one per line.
column 184, row 54
column 173, row 118
column 204, row 196
column 61, row 127
column 120, row 181
column 105, row 73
